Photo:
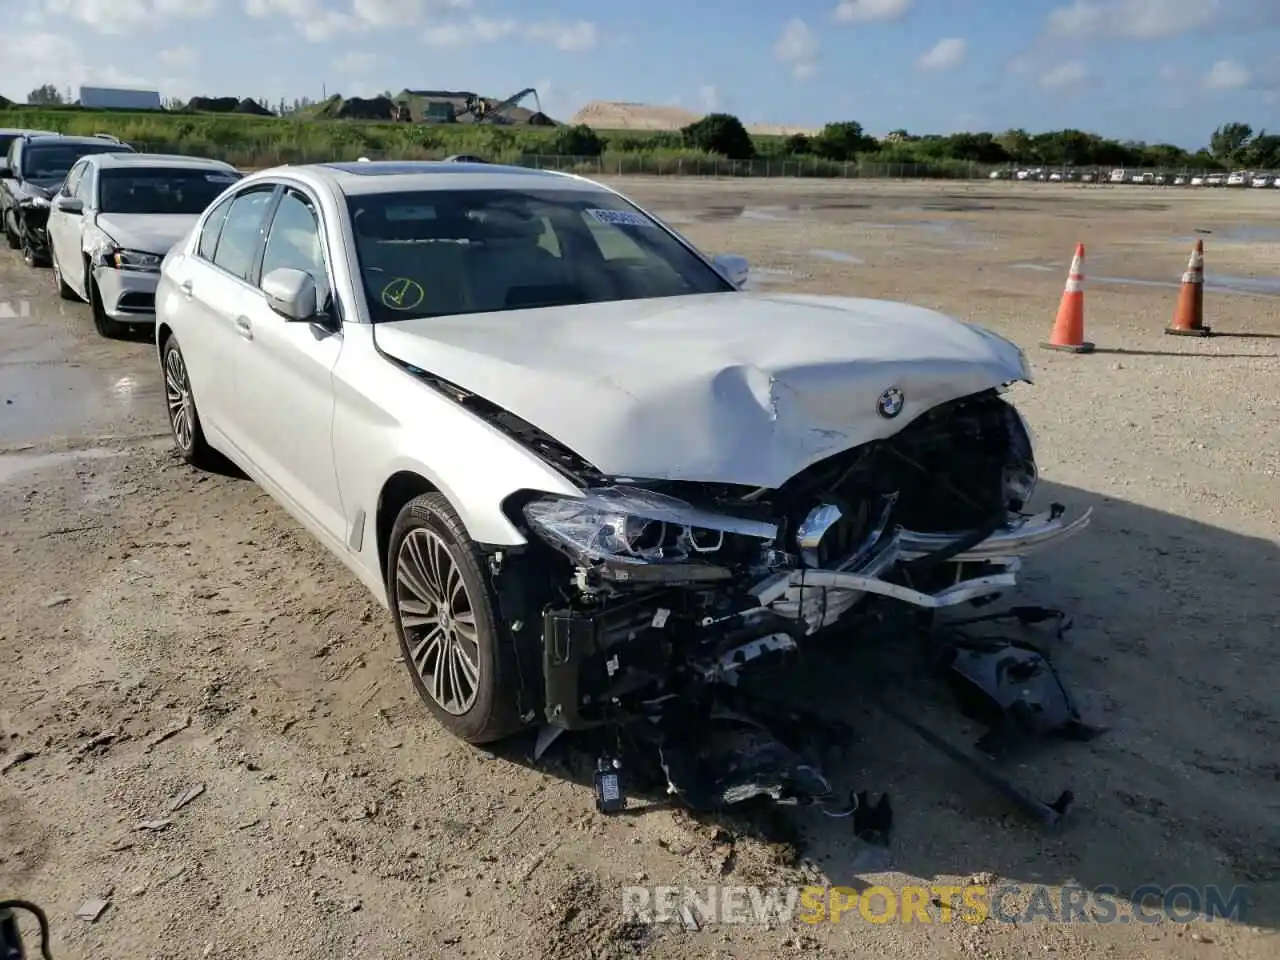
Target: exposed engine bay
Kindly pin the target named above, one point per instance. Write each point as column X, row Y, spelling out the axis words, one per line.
column 658, row 597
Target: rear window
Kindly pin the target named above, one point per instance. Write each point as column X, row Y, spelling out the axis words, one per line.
column 161, row 189
column 52, row 161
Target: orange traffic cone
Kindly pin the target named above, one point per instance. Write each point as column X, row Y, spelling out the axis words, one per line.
column 1068, row 329
column 1188, row 315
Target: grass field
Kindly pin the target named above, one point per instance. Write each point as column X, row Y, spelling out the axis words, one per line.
column 254, row 141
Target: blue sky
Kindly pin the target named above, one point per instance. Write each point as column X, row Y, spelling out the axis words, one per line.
column 1147, row 69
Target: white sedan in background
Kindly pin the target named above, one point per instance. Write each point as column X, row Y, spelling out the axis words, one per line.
column 579, row 463
column 114, row 219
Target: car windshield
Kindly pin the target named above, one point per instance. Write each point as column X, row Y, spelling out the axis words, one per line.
column 443, row 252
column 160, row 189
column 54, row 161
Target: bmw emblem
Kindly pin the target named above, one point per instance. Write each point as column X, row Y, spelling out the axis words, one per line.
column 890, row 403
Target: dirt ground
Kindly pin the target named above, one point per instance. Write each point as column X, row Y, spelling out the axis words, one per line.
column 163, row 629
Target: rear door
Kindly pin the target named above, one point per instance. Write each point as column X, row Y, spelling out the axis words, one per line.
column 209, row 290
column 284, row 371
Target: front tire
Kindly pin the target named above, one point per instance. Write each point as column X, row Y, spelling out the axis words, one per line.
column 11, row 232
column 461, row 658
column 111, row 329
column 64, row 291
column 184, row 419
column 30, row 256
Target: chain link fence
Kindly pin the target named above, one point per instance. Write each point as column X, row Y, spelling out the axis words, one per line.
column 643, row 164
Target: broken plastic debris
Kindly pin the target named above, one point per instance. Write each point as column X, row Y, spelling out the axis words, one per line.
column 91, row 910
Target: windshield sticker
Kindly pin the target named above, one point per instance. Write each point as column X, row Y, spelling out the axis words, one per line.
column 620, row 218
column 402, row 293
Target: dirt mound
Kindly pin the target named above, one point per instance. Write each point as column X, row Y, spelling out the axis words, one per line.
column 606, row 115
column 253, row 108
column 537, row 119
column 358, row 108
column 213, row 104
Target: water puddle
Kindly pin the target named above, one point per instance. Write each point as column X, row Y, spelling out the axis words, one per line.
column 14, row 309
column 837, row 256
column 43, row 399
column 1242, row 234
column 1213, row 283
column 14, row 465
column 761, row 277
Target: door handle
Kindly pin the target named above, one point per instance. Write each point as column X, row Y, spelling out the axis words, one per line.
column 244, row 327
column 185, row 287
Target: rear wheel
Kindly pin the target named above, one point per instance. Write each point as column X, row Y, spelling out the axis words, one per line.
column 184, row 420
column 461, row 658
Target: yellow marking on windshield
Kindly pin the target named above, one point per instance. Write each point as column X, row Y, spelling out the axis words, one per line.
column 401, row 293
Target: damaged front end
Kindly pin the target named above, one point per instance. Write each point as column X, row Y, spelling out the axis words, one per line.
column 671, row 592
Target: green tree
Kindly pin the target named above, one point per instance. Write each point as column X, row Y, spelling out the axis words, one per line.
column 46, row 96
column 578, row 141
column 1229, row 139
column 720, row 133
column 843, row 141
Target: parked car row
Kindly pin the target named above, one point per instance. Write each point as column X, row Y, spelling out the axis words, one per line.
column 102, row 215
column 1239, row 178
column 594, row 479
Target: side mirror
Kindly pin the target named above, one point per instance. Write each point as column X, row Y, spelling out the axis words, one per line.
column 291, row 293
column 735, row 268
column 68, row 204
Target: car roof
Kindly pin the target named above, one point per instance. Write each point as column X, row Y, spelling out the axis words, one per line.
column 393, row 176
column 23, row 131
column 175, row 161
column 77, row 140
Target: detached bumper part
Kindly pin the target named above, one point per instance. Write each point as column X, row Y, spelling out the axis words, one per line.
column 1016, row 540
column 819, row 597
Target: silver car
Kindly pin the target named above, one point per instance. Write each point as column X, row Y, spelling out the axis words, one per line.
column 114, row 219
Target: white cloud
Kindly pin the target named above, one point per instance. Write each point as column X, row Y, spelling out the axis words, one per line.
column 309, row 17
column 798, row 48
column 868, row 11
column 1227, row 75
column 383, row 13
column 54, row 58
column 574, row 37
column 1133, row 19
column 710, row 97
column 1064, row 75
column 121, row 17
column 183, row 58
column 945, row 54
column 355, row 64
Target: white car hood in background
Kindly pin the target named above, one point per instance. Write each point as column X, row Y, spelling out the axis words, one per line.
column 147, row 232
column 731, row 387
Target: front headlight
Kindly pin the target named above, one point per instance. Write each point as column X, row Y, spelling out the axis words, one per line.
column 37, row 202
column 133, row 260
column 1020, row 473
column 633, row 527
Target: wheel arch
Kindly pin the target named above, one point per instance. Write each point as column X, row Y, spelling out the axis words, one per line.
column 398, row 489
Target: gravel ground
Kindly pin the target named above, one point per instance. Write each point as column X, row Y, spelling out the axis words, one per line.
column 164, row 629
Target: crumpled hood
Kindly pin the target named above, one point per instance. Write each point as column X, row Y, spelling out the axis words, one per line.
column 147, row 232
column 730, row 387
column 44, row 189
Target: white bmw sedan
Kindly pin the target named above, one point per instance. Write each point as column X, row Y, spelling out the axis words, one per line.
column 587, row 471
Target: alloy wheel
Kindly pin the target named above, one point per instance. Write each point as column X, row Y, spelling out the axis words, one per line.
column 438, row 620
column 177, row 393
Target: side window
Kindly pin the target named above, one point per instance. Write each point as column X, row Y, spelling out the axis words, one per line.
column 242, row 231
column 73, row 180
column 84, row 189
column 213, row 228
column 294, row 241
column 14, row 160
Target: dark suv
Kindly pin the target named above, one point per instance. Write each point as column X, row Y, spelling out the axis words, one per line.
column 30, row 175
